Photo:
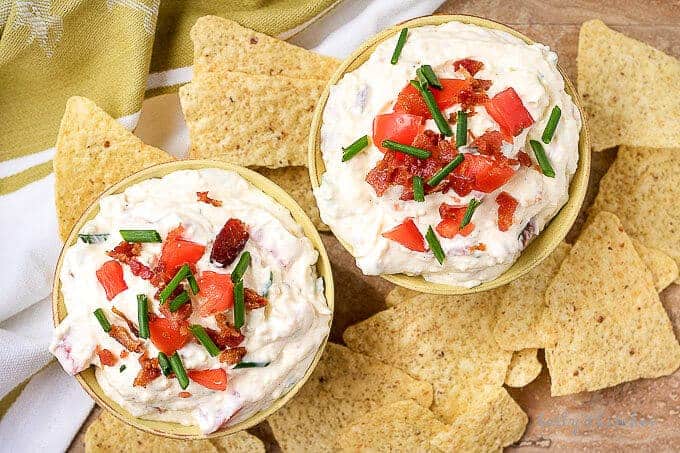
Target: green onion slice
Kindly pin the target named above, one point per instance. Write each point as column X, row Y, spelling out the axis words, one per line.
column 181, row 274
column 143, row 315
column 418, row 190
column 178, row 368
column 400, row 45
column 140, row 235
column 251, row 365
column 355, row 148
column 269, row 284
column 122, row 368
column 437, row 116
column 461, row 129
column 202, row 336
column 472, row 205
column 542, row 159
column 239, row 305
column 434, row 244
column 193, row 284
column 406, row 149
column 445, row 170
column 241, row 266
column 181, row 299
column 164, row 363
column 549, row 130
column 96, row 238
column 429, row 75
column 101, row 317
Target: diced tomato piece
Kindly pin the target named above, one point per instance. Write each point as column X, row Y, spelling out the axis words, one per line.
column 507, row 205
column 411, row 101
column 215, row 379
column 450, row 93
column 167, row 336
column 106, row 357
column 216, row 293
column 408, row 235
column 507, row 109
column 177, row 251
column 398, row 127
column 110, row 276
column 489, row 174
column 448, row 228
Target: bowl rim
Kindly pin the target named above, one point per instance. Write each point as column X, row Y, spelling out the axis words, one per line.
column 567, row 214
column 87, row 379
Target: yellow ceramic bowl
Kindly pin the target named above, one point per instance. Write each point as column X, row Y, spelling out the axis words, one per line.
column 541, row 246
column 87, row 378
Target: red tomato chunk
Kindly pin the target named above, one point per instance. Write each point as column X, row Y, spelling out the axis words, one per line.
column 110, row 276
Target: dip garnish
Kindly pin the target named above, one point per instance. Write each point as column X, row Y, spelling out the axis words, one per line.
column 407, row 234
column 355, row 148
column 178, row 301
column 445, row 170
column 232, row 356
column 204, row 198
column 506, row 108
column 143, row 315
column 552, row 125
column 418, row 191
column 229, row 242
column 432, row 106
column 241, row 266
column 251, row 365
column 472, row 205
column 201, row 335
column 215, row 379
column 101, row 317
column 239, row 305
column 178, row 369
column 406, row 149
column 434, row 244
column 122, row 368
column 110, row 276
column 193, row 284
column 461, row 129
column 426, row 72
column 181, row 274
column 400, row 45
column 140, row 235
column 96, row 238
column 164, row 364
column 542, row 159
column 507, row 204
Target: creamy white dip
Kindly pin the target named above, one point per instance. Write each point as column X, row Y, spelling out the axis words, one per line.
column 350, row 206
column 287, row 333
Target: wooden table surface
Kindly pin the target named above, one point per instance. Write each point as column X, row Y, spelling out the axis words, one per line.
column 639, row 416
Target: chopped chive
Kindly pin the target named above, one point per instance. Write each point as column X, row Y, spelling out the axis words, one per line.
column 434, row 244
column 181, row 299
column 172, row 284
column 445, row 170
column 421, row 77
column 101, row 317
column 542, row 159
column 400, row 45
column 241, row 266
column 178, row 368
column 431, row 78
column 552, row 125
column 355, row 148
column 143, row 315
column 461, row 129
column 164, row 363
column 96, row 238
column 140, row 235
column 251, row 365
column 472, row 205
column 201, row 335
column 406, row 149
column 418, row 191
column 428, row 97
column 239, row 305
column 193, row 284
column 122, row 368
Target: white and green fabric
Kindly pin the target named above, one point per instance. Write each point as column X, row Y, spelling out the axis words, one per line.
column 121, row 54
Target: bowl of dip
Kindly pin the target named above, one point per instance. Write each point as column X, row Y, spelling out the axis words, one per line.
column 449, row 154
column 192, row 299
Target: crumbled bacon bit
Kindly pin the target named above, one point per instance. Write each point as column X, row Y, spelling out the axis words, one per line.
column 125, row 250
column 106, row 357
column 232, row 356
column 489, row 143
column 229, row 242
column 227, row 335
column 124, row 353
column 203, row 197
column 131, row 326
column 122, row 336
column 253, row 300
column 184, row 395
column 507, row 204
column 524, row 159
column 471, row 66
column 150, row 370
column 481, row 247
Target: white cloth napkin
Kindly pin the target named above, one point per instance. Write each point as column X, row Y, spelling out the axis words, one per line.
column 52, row 406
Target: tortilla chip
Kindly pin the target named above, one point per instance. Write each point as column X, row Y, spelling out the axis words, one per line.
column 401, row 426
column 486, row 428
column 255, row 121
column 643, row 188
column 630, row 90
column 344, row 385
column 295, row 181
column 93, row 152
column 523, row 369
column 224, row 45
column 445, row 340
column 663, row 268
column 400, row 294
column 107, row 434
column 523, row 318
column 612, row 327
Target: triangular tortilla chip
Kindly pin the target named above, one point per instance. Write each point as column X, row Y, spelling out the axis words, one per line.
column 93, row 152
column 400, row 294
column 224, row 45
column 630, row 90
column 612, row 327
column 664, row 270
column 643, row 188
column 345, row 385
column 523, row 369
